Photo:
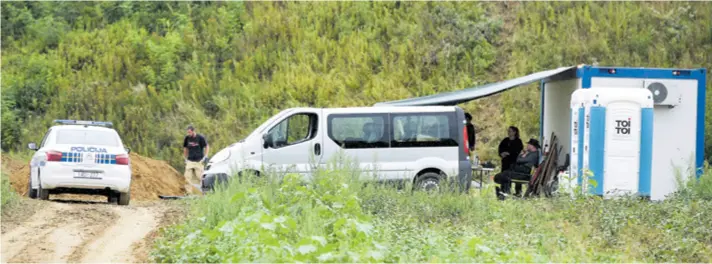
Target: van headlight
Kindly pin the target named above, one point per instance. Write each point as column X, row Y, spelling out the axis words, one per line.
column 221, row 156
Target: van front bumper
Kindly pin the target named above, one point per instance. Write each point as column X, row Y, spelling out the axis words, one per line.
column 211, row 180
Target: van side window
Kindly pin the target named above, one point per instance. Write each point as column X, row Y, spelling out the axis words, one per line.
column 294, row 130
column 358, row 131
column 424, row 130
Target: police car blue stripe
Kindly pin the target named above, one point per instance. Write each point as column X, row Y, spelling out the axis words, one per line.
column 102, row 158
column 71, row 157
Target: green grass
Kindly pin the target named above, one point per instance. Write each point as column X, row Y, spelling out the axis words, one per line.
column 8, row 196
column 337, row 219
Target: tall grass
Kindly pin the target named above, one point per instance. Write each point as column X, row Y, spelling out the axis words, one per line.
column 7, row 196
column 338, row 219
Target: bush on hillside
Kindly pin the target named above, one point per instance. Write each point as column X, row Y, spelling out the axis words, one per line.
column 153, row 67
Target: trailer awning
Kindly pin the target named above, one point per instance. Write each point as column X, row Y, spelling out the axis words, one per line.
column 458, row 97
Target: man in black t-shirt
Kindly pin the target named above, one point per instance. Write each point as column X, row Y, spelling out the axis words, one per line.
column 195, row 152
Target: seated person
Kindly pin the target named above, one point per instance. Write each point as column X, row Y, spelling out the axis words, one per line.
column 368, row 133
column 521, row 169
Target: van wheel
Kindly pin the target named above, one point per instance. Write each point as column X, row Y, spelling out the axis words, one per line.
column 428, row 182
column 124, row 198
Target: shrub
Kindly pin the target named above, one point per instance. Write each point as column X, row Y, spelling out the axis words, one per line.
column 8, row 196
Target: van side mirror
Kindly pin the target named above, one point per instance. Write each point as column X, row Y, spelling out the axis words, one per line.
column 128, row 150
column 267, row 141
column 32, row 146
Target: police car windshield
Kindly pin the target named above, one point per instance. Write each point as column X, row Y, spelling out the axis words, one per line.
column 87, row 137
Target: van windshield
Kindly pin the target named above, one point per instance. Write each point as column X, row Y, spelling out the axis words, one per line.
column 269, row 121
column 87, row 137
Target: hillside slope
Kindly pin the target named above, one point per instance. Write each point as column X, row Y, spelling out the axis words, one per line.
column 154, row 67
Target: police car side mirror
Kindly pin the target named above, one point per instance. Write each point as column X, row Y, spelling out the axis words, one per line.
column 32, row 146
column 128, row 150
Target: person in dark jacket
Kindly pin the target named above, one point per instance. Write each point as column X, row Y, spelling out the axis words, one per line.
column 521, row 170
column 470, row 132
column 509, row 148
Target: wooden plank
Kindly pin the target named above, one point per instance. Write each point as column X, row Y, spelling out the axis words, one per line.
column 554, row 155
column 550, row 170
column 550, row 165
column 170, row 197
column 549, row 183
column 544, row 168
column 551, row 173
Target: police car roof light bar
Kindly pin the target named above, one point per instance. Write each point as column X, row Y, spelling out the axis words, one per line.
column 84, row 122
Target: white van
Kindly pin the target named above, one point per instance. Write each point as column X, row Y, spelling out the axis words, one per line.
column 423, row 145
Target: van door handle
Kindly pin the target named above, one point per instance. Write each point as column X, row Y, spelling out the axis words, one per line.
column 317, row 149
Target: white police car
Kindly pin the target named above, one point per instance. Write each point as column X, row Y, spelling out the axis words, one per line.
column 81, row 157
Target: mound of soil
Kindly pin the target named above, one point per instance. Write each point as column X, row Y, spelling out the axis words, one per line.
column 150, row 177
column 19, row 172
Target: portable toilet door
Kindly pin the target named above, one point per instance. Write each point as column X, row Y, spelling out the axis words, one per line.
column 620, row 150
column 578, row 99
column 585, row 168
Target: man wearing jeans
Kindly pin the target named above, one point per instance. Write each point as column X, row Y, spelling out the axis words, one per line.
column 195, row 152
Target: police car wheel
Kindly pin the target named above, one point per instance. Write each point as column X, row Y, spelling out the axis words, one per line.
column 31, row 193
column 43, row 193
column 112, row 198
column 124, row 198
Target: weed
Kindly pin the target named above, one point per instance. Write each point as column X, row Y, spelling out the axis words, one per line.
column 336, row 218
column 7, row 196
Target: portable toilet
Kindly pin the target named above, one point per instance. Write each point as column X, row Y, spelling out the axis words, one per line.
column 620, row 141
column 586, row 137
column 578, row 112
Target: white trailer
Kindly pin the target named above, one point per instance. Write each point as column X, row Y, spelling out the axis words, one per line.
column 679, row 110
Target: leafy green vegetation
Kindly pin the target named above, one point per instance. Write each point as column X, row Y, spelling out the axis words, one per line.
column 154, row 67
column 338, row 219
column 657, row 35
column 7, row 195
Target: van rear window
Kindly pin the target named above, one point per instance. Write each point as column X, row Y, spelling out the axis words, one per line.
column 424, row 130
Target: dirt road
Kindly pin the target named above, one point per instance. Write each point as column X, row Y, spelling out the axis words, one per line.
column 74, row 230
